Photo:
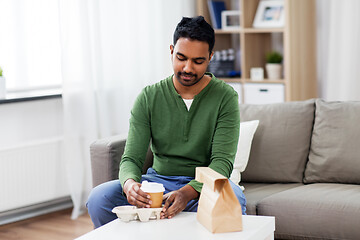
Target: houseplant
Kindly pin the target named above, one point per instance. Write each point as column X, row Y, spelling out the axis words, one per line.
column 2, row 85
column 273, row 65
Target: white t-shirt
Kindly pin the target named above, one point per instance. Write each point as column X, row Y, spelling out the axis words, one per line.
column 188, row 103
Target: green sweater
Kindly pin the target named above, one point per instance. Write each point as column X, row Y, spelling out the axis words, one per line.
column 181, row 140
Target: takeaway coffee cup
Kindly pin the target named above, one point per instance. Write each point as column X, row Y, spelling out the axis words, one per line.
column 155, row 190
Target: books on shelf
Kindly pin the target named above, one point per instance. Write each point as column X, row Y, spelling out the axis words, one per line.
column 215, row 9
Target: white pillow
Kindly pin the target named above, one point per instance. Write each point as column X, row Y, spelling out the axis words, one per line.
column 247, row 131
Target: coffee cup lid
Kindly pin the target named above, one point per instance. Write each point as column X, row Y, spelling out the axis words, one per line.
column 152, row 187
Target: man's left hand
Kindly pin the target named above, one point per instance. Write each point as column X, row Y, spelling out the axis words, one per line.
column 176, row 201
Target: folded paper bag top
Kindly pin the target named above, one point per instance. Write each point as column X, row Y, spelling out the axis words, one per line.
column 219, row 209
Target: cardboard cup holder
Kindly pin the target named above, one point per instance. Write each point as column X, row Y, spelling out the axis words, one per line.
column 131, row 213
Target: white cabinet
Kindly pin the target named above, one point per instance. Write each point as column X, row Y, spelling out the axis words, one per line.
column 261, row 93
column 237, row 88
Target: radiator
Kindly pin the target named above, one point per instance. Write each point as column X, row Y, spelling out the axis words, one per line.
column 31, row 174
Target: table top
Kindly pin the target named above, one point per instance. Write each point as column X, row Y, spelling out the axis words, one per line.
column 183, row 226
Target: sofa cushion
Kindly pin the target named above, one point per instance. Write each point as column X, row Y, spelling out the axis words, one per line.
column 247, row 131
column 281, row 143
column 255, row 192
column 335, row 150
column 315, row 211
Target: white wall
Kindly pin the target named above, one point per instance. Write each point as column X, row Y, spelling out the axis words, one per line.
column 26, row 122
column 31, row 166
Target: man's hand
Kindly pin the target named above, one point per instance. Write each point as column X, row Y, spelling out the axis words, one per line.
column 176, row 201
column 135, row 196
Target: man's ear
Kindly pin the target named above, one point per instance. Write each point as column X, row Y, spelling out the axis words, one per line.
column 211, row 55
column 171, row 49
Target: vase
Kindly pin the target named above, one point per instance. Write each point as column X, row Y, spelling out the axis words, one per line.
column 273, row 71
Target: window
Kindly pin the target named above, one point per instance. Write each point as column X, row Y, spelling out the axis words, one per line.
column 30, row 43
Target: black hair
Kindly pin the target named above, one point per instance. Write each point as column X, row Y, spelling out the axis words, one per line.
column 197, row 29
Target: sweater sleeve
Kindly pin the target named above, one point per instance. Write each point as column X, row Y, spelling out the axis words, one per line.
column 137, row 142
column 225, row 140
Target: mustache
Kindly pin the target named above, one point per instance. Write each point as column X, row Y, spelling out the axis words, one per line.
column 185, row 74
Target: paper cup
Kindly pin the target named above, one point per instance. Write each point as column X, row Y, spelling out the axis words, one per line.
column 155, row 190
column 156, row 199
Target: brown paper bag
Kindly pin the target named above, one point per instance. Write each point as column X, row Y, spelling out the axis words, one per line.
column 219, row 210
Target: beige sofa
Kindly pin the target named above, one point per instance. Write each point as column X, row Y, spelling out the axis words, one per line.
column 304, row 167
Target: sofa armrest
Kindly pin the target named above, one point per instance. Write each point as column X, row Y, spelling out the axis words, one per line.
column 105, row 155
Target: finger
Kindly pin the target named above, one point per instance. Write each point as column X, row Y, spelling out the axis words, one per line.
column 142, row 196
column 142, row 202
column 166, row 195
column 136, row 199
column 177, row 206
column 136, row 187
column 142, row 193
column 173, row 210
column 169, row 199
column 137, row 203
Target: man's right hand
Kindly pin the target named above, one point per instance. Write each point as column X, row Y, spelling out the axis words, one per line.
column 135, row 196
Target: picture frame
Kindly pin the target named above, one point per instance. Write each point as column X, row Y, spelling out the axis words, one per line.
column 257, row 74
column 230, row 19
column 269, row 14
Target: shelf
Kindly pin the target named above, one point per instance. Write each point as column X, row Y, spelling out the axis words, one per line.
column 240, row 80
column 263, row 30
column 265, row 81
column 231, row 79
column 228, row 31
column 296, row 40
column 249, row 30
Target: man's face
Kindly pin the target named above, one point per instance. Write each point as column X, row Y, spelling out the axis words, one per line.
column 190, row 59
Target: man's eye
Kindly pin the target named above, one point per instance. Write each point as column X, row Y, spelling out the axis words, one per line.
column 181, row 58
column 199, row 62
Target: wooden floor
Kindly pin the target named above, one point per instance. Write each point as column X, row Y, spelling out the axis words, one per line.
column 54, row 226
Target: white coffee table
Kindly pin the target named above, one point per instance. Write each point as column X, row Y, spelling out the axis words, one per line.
column 182, row 226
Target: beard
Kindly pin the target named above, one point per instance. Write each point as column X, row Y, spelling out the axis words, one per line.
column 188, row 79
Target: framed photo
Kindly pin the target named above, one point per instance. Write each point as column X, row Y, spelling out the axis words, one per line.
column 269, row 14
column 257, row 74
column 230, row 19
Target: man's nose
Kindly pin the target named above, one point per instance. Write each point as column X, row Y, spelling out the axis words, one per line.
column 188, row 66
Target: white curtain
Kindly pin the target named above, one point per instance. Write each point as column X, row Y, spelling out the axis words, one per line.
column 110, row 50
column 339, row 49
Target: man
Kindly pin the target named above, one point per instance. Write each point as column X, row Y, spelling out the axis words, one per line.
column 192, row 120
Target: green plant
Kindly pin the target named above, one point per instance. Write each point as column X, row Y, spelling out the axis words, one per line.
column 274, row 57
column 1, row 72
